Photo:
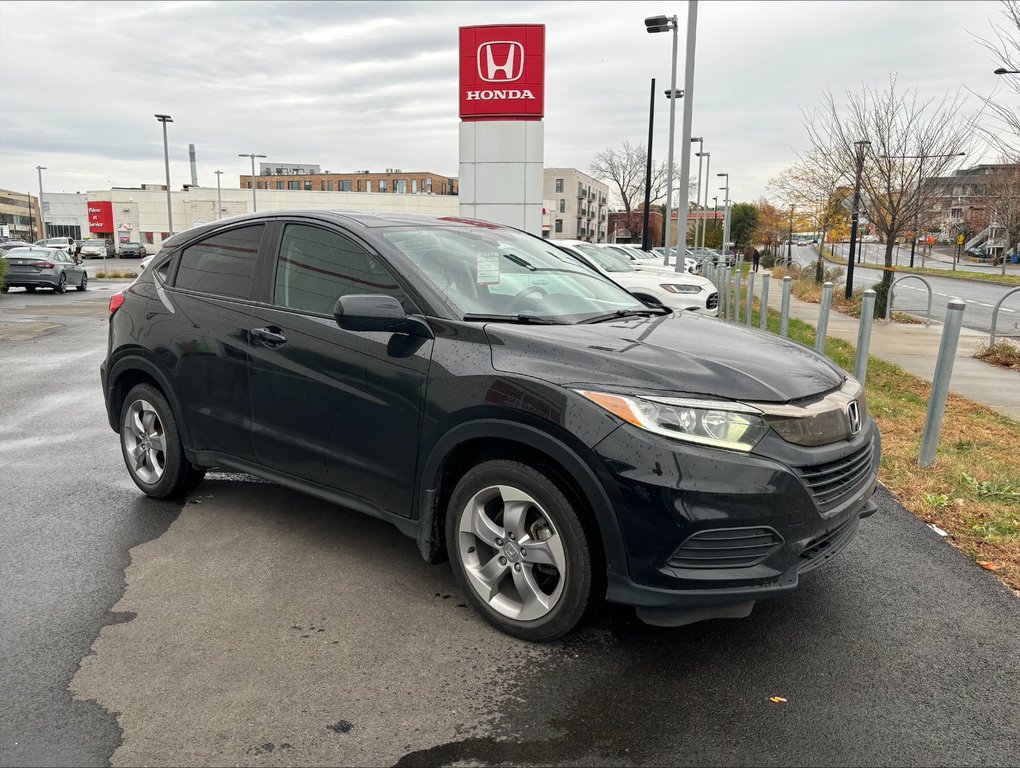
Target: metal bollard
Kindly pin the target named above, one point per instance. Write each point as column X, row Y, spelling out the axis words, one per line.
column 724, row 291
column 738, row 281
column 750, row 298
column 864, row 335
column 823, row 317
column 784, row 311
column 763, row 304
column 940, row 381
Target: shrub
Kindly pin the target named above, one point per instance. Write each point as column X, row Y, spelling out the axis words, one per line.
column 3, row 272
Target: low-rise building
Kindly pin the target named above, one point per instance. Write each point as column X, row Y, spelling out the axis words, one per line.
column 282, row 177
column 580, row 206
column 140, row 214
column 66, row 214
column 20, row 217
column 971, row 201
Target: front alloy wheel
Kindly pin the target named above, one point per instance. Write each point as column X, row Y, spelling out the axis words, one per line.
column 519, row 550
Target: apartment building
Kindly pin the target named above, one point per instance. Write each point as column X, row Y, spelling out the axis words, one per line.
column 580, row 206
column 19, row 216
column 297, row 177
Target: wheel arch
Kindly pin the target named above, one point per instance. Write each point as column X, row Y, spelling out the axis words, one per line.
column 474, row 442
column 130, row 371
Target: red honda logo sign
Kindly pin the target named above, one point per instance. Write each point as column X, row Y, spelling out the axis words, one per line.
column 502, row 72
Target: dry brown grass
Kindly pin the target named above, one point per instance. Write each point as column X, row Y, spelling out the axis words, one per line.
column 1004, row 353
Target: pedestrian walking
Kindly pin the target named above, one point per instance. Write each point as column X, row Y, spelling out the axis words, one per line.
column 755, row 259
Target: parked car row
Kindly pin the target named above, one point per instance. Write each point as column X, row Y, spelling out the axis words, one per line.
column 502, row 399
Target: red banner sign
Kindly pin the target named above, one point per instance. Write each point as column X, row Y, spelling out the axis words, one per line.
column 100, row 216
column 502, row 72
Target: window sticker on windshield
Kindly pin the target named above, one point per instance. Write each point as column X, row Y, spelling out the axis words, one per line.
column 487, row 268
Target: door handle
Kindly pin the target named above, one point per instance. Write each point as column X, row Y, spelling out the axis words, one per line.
column 271, row 337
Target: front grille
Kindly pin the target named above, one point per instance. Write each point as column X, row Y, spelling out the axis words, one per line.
column 831, row 483
column 828, row 545
column 713, row 301
column 726, row 548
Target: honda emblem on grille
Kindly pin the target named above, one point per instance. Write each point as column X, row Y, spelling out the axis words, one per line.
column 853, row 412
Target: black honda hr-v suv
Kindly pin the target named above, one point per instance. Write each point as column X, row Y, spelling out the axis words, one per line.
column 557, row 439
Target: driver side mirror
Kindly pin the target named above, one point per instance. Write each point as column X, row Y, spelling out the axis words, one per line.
column 364, row 313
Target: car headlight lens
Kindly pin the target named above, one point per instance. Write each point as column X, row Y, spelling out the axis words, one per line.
column 675, row 288
column 734, row 426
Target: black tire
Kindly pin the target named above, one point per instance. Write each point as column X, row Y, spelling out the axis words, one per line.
column 556, row 508
column 84, row 282
column 30, row 289
column 178, row 476
column 61, row 283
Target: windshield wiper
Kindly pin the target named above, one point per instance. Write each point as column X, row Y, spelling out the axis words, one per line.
column 627, row 313
column 519, row 318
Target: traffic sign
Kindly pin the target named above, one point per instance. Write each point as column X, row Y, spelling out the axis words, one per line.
column 959, row 239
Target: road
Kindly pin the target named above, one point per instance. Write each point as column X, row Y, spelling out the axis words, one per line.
column 253, row 625
column 912, row 295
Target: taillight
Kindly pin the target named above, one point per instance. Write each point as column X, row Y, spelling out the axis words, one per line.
column 44, row 264
column 115, row 302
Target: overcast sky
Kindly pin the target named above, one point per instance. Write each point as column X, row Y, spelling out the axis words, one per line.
column 374, row 85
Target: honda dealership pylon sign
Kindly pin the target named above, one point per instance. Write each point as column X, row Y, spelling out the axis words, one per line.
column 502, row 72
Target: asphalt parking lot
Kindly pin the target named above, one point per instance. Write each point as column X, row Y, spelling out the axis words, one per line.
column 256, row 626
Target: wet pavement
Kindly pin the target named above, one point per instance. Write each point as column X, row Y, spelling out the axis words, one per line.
column 256, row 626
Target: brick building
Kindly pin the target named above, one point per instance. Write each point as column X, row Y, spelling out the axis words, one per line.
column 308, row 178
column 626, row 227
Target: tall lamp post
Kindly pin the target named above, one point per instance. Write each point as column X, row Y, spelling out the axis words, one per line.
column 715, row 211
column 665, row 24
column 219, row 199
column 42, row 208
column 861, row 148
column 726, row 213
column 789, row 239
column 166, row 162
column 708, row 175
column 697, row 196
column 252, row 156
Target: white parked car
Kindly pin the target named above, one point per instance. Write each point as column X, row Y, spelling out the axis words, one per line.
column 651, row 259
column 676, row 290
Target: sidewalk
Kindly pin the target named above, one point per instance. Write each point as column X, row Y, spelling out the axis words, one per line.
column 915, row 349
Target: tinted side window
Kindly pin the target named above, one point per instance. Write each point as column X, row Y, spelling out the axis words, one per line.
column 316, row 267
column 223, row 264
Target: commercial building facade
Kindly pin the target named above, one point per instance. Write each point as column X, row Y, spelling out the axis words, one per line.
column 140, row 214
column 20, row 217
column 281, row 177
column 580, row 206
column 66, row 214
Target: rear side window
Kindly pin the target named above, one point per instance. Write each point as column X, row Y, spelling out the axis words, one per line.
column 223, row 264
column 316, row 267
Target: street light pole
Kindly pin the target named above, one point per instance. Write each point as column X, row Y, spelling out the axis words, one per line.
column 42, row 208
column 646, row 240
column 166, row 162
column 708, row 175
column 1004, row 71
column 715, row 208
column 789, row 239
column 219, row 200
column 254, row 207
column 685, row 162
column 697, row 196
column 726, row 213
column 665, row 24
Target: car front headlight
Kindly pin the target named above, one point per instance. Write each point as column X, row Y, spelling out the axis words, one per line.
column 734, row 426
column 676, row 288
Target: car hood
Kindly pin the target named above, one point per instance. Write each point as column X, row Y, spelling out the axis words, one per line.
column 684, row 354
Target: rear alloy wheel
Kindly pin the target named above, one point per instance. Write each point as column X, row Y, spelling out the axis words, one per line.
column 84, row 282
column 61, row 283
column 152, row 447
column 519, row 550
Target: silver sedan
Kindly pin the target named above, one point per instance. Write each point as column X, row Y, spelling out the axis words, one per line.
column 35, row 267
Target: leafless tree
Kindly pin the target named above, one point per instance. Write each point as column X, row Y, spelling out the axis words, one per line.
column 1004, row 105
column 817, row 188
column 910, row 140
column 624, row 171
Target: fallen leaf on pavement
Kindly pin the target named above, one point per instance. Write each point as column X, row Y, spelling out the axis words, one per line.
column 777, row 700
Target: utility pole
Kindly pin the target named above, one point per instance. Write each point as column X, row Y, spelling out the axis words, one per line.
column 697, row 195
column 42, row 208
column 646, row 241
column 219, row 200
column 854, row 215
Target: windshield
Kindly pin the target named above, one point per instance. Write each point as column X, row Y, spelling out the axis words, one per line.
column 130, row 245
column 496, row 271
column 610, row 262
column 94, row 244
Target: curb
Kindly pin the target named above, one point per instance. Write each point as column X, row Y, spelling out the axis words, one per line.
column 908, row 271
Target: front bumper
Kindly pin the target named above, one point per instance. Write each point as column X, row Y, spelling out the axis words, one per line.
column 688, row 514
